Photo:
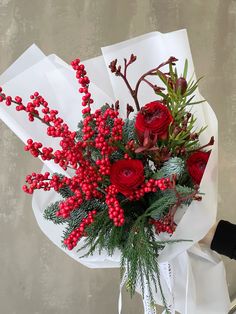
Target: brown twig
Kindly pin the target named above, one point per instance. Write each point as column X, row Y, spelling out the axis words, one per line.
column 134, row 92
column 155, row 71
column 210, row 143
column 180, row 199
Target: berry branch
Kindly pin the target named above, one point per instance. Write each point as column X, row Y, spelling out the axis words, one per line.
column 20, row 107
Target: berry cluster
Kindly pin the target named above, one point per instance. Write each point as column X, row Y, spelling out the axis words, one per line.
column 38, row 181
column 104, row 166
column 88, row 132
column 116, row 133
column 88, row 180
column 70, row 204
column 107, row 134
column 84, row 81
column 116, row 213
column 151, row 185
column 34, row 149
column 72, row 240
column 70, row 154
column 130, row 146
column 164, row 225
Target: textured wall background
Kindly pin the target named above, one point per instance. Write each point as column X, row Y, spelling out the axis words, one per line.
column 36, row 277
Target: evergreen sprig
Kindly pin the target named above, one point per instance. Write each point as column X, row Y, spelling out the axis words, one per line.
column 161, row 206
column 103, row 235
column 174, row 165
column 140, row 258
column 139, row 249
column 77, row 215
column 79, row 132
column 50, row 213
column 128, row 131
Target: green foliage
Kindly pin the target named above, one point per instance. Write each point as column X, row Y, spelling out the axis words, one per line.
column 178, row 103
column 160, row 207
column 148, row 172
column 129, row 130
column 117, row 155
column 104, row 235
column 95, row 153
column 92, row 204
column 65, row 192
column 50, row 213
column 104, row 108
column 139, row 248
column 185, row 68
column 140, row 258
column 78, row 214
column 174, row 165
column 79, row 133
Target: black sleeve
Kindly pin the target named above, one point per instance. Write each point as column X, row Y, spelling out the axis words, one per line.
column 224, row 240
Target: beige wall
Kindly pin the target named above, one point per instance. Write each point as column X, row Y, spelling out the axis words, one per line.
column 36, row 277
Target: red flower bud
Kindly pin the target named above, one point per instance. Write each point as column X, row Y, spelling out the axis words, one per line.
column 181, row 85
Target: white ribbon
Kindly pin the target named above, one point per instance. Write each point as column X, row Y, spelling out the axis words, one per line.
column 166, row 273
column 123, row 281
column 149, row 307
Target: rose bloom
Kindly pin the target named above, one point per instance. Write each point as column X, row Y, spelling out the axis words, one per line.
column 196, row 164
column 154, row 117
column 127, row 175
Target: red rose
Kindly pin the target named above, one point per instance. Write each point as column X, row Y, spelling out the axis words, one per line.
column 127, row 175
column 196, row 165
column 154, row 117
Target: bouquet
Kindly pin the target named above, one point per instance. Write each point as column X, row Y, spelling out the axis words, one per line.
column 124, row 180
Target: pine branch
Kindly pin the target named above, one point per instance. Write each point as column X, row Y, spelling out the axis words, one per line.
column 50, row 213
column 139, row 249
column 78, row 214
column 65, row 192
column 161, row 206
column 174, row 165
column 79, row 133
column 117, row 155
column 141, row 259
column 129, row 130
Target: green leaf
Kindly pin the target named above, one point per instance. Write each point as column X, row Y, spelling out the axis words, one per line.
column 185, row 68
column 196, row 102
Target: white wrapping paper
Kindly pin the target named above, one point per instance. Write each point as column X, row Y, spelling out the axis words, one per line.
column 198, row 275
